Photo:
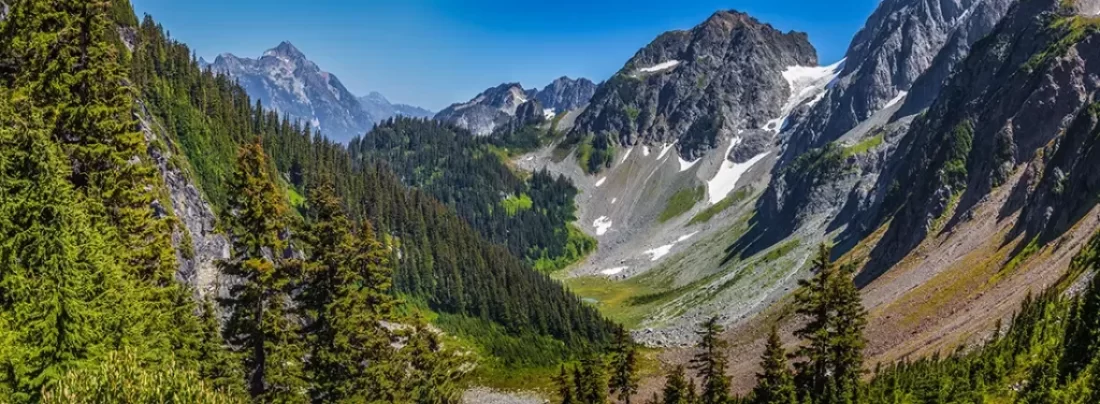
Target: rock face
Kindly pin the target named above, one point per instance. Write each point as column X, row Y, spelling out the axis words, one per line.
column 379, row 108
column 566, row 94
column 901, row 41
column 198, row 245
column 1026, row 95
column 285, row 80
column 694, row 87
column 492, row 108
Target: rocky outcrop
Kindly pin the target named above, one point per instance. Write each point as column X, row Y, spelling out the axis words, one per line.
column 492, row 108
column 695, row 87
column 199, row 246
column 1025, row 96
column 901, row 41
column 379, row 108
column 566, row 94
column 285, row 80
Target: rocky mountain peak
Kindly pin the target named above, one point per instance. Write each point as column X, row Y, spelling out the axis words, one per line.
column 287, row 50
column 566, row 94
column 697, row 87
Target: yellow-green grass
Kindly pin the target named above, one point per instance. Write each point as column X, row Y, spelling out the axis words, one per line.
column 681, row 202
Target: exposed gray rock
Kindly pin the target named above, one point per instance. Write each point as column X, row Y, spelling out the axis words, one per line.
column 694, row 87
column 566, row 94
column 900, row 41
column 285, row 80
column 198, row 261
column 484, row 113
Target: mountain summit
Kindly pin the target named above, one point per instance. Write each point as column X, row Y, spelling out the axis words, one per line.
column 285, row 80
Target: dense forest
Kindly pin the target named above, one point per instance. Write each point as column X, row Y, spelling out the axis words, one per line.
column 531, row 216
column 90, row 306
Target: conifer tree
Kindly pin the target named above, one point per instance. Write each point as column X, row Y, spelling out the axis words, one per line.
column 595, row 381
column 775, row 385
column 847, row 340
column 565, row 387
column 710, row 364
column 216, row 363
column 258, row 324
column 678, row 389
column 56, row 277
column 624, row 364
column 433, row 373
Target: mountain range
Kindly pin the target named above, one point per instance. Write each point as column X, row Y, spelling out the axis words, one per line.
column 285, row 80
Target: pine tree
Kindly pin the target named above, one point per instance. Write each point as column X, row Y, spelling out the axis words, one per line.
column 258, row 324
column 678, row 389
column 595, row 381
column 710, row 363
column 833, row 350
column 57, row 278
column 216, row 363
column 775, row 385
column 346, row 295
column 434, row 374
column 565, row 387
column 624, row 364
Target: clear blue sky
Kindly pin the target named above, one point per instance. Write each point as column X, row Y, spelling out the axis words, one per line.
column 434, row 52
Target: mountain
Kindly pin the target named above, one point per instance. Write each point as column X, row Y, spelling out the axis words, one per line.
column 485, row 112
column 695, row 88
column 285, row 80
column 379, row 108
column 566, row 94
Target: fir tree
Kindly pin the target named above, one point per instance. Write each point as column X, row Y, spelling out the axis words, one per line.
column 775, row 385
column 565, row 387
column 216, row 363
column 710, row 363
column 678, row 389
column 433, row 373
column 259, row 325
column 624, row 364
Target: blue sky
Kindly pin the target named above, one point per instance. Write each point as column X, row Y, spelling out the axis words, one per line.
column 434, row 52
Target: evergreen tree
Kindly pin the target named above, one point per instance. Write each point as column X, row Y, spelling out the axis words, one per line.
column 624, row 364
column 565, row 387
column 775, row 385
column 433, row 374
column 57, row 279
column 216, row 363
column 847, row 341
column 678, row 389
column 258, row 325
column 595, row 381
column 814, row 301
column 710, row 363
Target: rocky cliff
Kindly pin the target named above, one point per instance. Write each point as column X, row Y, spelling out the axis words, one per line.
column 695, row 87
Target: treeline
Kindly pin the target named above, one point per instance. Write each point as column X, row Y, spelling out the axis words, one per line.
column 440, row 259
column 530, row 216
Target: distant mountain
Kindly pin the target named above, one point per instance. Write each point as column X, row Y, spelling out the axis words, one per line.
column 566, row 94
column 485, row 112
column 497, row 106
column 380, row 108
column 285, row 80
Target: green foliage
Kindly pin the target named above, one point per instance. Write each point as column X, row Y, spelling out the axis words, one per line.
column 681, row 202
column 504, row 351
column 817, row 166
column 864, row 145
column 514, row 204
column 632, row 113
column 624, row 367
column 713, row 210
column 1071, row 30
column 957, row 154
column 577, row 247
column 121, row 377
column 775, row 384
column 710, row 363
column 781, row 251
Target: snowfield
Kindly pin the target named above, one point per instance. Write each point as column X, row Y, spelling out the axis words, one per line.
column 806, row 83
column 602, row 225
column 660, row 66
column 725, row 180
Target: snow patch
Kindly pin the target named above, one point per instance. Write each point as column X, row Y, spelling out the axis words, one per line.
column 660, row 66
column 549, row 113
column 600, row 181
column 896, row 99
column 726, row 179
column 613, row 200
column 645, row 150
column 686, row 236
column 686, row 165
column 807, row 83
column 664, row 150
column 614, row 271
column 659, row 252
column 602, row 225
column 626, row 155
